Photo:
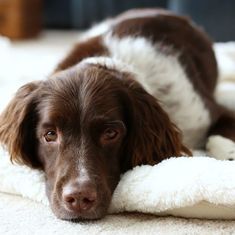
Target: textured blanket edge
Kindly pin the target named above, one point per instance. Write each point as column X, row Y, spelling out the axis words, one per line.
column 196, row 187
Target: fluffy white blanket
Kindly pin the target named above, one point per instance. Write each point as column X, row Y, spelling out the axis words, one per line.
column 198, row 187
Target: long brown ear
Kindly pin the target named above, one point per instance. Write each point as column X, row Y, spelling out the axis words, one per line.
column 17, row 126
column 152, row 136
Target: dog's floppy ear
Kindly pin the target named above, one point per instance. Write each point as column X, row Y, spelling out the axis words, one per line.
column 152, row 136
column 18, row 123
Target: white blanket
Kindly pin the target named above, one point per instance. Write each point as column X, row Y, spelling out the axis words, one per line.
column 199, row 187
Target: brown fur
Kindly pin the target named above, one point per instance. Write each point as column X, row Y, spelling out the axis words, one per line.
column 17, row 123
column 224, row 125
column 88, row 48
column 153, row 137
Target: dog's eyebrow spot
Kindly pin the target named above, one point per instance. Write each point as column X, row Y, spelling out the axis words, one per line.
column 48, row 125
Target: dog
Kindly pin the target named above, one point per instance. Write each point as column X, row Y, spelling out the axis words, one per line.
column 136, row 89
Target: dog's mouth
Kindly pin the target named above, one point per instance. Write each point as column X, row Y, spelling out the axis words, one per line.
column 97, row 211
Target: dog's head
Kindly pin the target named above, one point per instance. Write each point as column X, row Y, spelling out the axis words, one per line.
column 85, row 126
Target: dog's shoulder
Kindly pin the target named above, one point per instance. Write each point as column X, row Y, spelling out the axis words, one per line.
column 177, row 33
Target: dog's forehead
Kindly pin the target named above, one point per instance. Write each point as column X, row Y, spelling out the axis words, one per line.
column 75, row 98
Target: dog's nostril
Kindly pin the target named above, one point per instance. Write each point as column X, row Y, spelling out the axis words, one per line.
column 88, row 201
column 70, row 200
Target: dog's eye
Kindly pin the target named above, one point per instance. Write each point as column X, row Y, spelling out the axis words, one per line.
column 50, row 136
column 110, row 133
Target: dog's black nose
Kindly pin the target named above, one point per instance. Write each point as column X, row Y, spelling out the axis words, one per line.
column 79, row 197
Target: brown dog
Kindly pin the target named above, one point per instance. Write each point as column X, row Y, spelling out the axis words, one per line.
column 137, row 91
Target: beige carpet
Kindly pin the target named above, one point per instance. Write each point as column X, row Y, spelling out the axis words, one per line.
column 22, row 216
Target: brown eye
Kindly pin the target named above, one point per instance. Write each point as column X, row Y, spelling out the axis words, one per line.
column 110, row 134
column 50, row 136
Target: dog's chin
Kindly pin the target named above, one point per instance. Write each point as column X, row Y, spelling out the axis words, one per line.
column 93, row 214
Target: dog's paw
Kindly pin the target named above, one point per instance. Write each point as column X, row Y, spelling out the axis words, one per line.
column 221, row 148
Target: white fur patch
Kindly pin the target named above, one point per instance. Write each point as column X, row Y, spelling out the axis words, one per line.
column 164, row 77
column 221, row 148
column 108, row 62
column 97, row 30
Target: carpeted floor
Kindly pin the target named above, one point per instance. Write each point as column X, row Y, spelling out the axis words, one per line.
column 21, row 216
